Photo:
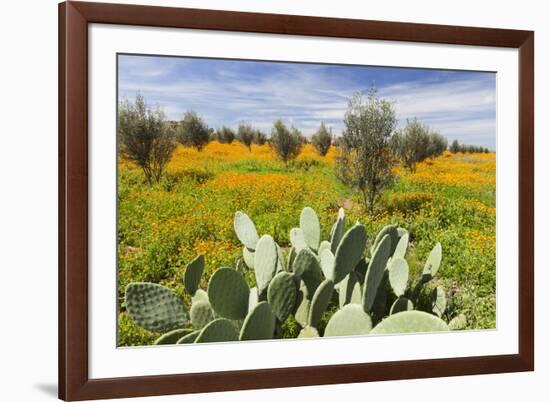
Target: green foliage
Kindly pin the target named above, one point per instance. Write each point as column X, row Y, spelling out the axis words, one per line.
column 417, row 142
column 145, row 137
column 349, row 251
column 311, row 228
column 398, row 275
column 375, row 272
column 322, row 140
column 286, row 143
column 365, row 160
column 245, row 134
column 320, row 301
column 192, row 131
column 225, row 135
column 281, row 295
column 471, row 149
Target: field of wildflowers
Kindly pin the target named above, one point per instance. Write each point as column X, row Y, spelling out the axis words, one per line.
column 450, row 199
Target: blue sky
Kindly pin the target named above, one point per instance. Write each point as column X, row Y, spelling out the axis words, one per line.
column 459, row 104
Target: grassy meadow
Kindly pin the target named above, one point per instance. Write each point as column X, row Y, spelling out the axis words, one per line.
column 450, row 199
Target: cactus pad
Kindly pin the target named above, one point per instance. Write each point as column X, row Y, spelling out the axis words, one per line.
column 402, row 246
column 389, row 230
column 200, row 295
column 303, row 306
column 265, row 261
column 337, row 231
column 228, row 294
column 193, row 273
column 172, row 337
column 281, row 295
column 259, row 323
column 433, row 262
column 319, row 302
column 253, row 298
column 439, row 301
column 248, row 257
column 398, row 275
column 308, row 332
column 245, row 230
column 201, row 314
column 311, row 228
column 189, row 338
column 155, row 307
column 401, row 304
column 410, row 321
column 349, row 251
column 219, row 330
column 375, row 273
column 327, row 263
column 307, row 268
column 349, row 290
column 280, row 259
column 349, row 320
column 297, row 239
column 459, row 322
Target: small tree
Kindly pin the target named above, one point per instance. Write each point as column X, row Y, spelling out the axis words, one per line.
column 225, row 135
column 455, row 147
column 322, row 140
column 286, row 143
column 365, row 158
column 145, row 137
column 437, row 144
column 411, row 144
column 245, row 134
column 193, row 131
column 260, row 138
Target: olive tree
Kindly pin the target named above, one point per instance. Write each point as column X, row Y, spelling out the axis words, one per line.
column 365, row 158
column 286, row 143
column 260, row 138
column 322, row 140
column 145, row 137
column 192, row 131
column 225, row 135
column 245, row 134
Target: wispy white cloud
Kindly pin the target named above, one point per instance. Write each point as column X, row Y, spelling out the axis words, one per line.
column 460, row 105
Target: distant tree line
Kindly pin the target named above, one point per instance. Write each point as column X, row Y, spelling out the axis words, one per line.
column 471, row 149
column 369, row 148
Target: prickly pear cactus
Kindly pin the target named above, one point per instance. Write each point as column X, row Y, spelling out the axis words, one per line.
column 219, row 330
column 200, row 295
column 192, row 274
column 398, row 274
column 327, row 263
column 248, row 257
column 201, row 314
column 319, row 302
column 337, row 231
column 349, row 251
column 189, row 338
column 155, row 307
column 265, row 261
column 259, row 323
column 402, row 246
column 303, row 303
column 349, row 290
column 401, row 304
column 375, row 273
column 281, row 295
column 433, row 262
column 391, row 231
column 228, row 294
column 297, row 239
column 325, row 245
column 349, row 320
column 308, row 332
column 311, row 228
column 410, row 321
column 306, row 266
column 172, row 337
column 245, row 230
column 439, row 301
column 459, row 322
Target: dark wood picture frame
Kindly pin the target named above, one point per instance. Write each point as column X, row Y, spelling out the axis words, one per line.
column 74, row 382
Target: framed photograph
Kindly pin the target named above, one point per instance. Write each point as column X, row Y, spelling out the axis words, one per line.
column 260, row 200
